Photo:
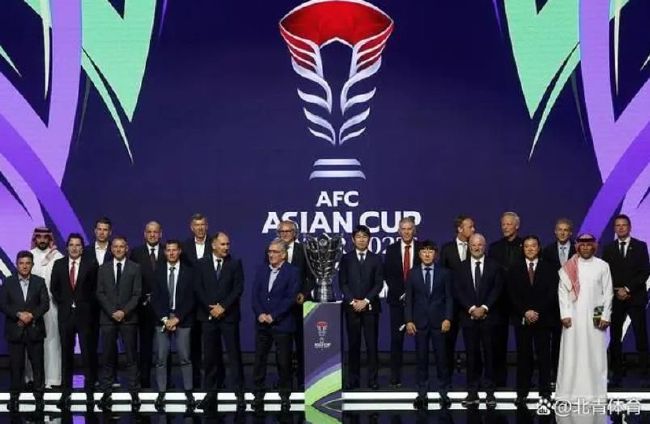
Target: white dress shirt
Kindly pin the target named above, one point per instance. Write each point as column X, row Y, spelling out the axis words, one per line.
column 100, row 253
column 627, row 245
column 462, row 249
column 473, row 262
column 115, row 262
column 200, row 247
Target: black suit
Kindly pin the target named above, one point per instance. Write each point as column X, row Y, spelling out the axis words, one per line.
column 189, row 257
column 146, row 316
column 121, row 295
column 631, row 272
column 361, row 281
column 541, row 297
column 507, row 253
column 25, row 338
column 551, row 255
column 479, row 333
column 77, row 308
column 450, row 259
column 225, row 291
column 396, row 280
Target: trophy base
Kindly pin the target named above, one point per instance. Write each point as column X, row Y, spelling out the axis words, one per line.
column 324, row 296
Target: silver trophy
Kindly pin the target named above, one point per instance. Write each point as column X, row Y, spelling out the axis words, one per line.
column 323, row 253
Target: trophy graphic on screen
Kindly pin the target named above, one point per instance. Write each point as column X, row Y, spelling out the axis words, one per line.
column 307, row 29
column 323, row 254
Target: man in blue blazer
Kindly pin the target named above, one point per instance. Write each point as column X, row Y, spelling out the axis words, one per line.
column 428, row 312
column 172, row 300
column 275, row 288
column 478, row 284
column 361, row 280
column 24, row 301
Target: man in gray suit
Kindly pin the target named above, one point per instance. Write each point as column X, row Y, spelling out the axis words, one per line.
column 119, row 284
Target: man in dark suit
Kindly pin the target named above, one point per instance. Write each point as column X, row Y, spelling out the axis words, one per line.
column 219, row 286
column 452, row 254
column 24, row 301
column 73, row 287
column 557, row 253
column 275, row 288
column 287, row 231
column 532, row 286
column 478, row 284
column 361, row 280
column 507, row 251
column 428, row 312
column 173, row 301
column 150, row 256
column 194, row 249
column 119, row 287
column 400, row 257
column 628, row 262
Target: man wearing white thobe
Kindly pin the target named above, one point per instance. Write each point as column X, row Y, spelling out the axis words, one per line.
column 45, row 253
column 585, row 284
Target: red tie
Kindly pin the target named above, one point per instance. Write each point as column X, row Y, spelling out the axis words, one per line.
column 73, row 281
column 406, row 266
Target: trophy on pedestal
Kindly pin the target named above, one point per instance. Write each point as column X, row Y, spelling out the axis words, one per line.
column 323, row 254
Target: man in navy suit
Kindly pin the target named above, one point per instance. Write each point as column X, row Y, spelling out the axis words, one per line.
column 24, row 301
column 400, row 257
column 428, row 312
column 628, row 261
column 556, row 254
column 275, row 288
column 478, row 283
column 219, row 286
column 172, row 300
column 532, row 285
column 361, row 280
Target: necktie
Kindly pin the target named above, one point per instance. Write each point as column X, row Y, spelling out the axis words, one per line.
column 427, row 279
column 531, row 272
column 563, row 255
column 170, row 286
column 406, row 266
column 463, row 255
column 218, row 269
column 152, row 258
column 477, row 274
column 362, row 258
column 118, row 274
column 622, row 247
column 73, row 280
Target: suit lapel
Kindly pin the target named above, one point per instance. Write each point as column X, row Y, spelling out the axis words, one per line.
column 30, row 289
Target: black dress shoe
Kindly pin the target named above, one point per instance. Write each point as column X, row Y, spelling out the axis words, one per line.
column 159, row 404
column 135, row 401
column 444, row 401
column 105, row 402
column 190, row 402
column 490, row 401
column 64, row 402
column 373, row 385
column 520, row 401
column 421, row 402
column 90, row 398
column 258, row 403
column 241, row 402
column 208, row 403
column 40, row 404
column 285, row 404
column 471, row 400
column 395, row 385
column 13, row 405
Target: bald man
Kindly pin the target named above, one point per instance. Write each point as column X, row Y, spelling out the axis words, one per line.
column 150, row 256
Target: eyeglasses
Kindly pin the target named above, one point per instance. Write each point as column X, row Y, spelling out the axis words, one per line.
column 285, row 231
column 273, row 251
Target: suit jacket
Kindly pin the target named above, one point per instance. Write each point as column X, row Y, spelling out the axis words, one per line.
column 393, row 270
column 140, row 255
column 541, row 296
column 630, row 271
column 89, row 252
column 361, row 281
column 488, row 293
column 299, row 260
column 424, row 309
column 188, row 254
column 12, row 302
column 124, row 295
column 506, row 253
column 279, row 300
column 83, row 295
column 551, row 255
column 225, row 291
column 184, row 294
column 449, row 257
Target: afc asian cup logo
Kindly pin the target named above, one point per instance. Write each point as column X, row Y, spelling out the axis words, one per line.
column 321, row 327
column 307, row 29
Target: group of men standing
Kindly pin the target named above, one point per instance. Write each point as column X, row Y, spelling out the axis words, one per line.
column 189, row 292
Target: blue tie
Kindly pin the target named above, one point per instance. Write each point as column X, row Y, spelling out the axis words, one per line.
column 427, row 279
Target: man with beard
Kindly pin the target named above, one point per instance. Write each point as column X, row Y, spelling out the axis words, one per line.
column 45, row 253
